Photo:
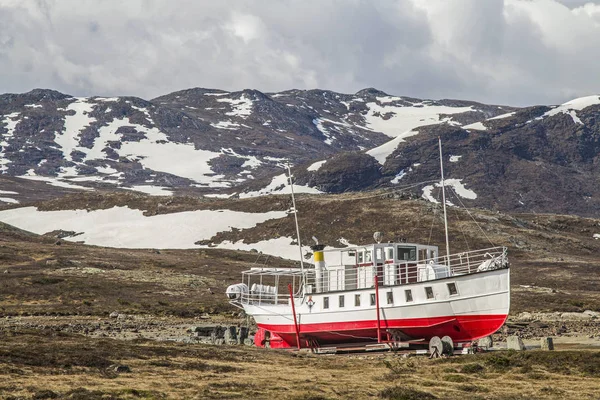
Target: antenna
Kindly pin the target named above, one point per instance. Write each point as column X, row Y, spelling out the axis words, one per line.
column 295, row 217
column 444, row 200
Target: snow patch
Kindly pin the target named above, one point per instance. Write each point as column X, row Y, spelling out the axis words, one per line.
column 68, row 139
column 123, row 227
column 242, row 107
column 226, row 125
column 456, row 184
column 316, row 166
column 455, row 158
column 33, row 105
column 9, row 200
column 510, row 114
column 280, row 185
column 382, row 152
column 397, row 178
column 396, row 120
column 571, row 106
column 51, row 181
column 477, row 126
column 10, row 125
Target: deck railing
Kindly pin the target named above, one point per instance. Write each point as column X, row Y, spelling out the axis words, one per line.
column 335, row 278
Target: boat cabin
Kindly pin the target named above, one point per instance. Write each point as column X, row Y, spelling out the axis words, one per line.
column 354, row 268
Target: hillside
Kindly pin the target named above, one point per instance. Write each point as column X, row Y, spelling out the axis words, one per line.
column 553, row 257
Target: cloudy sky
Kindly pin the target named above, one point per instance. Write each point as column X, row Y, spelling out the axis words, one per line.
column 516, row 52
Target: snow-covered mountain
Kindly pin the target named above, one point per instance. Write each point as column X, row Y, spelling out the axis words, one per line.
column 199, row 140
column 217, row 143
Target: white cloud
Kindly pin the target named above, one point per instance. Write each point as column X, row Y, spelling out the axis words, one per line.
column 513, row 51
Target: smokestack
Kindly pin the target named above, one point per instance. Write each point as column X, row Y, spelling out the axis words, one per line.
column 319, row 260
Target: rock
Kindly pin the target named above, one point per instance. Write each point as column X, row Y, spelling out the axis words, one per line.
column 575, row 315
column 120, row 368
column 525, row 316
column 243, row 335
column 514, row 343
column 122, row 316
column 486, row 342
column 114, row 314
column 592, row 314
column 249, row 342
column 230, row 335
column 547, row 343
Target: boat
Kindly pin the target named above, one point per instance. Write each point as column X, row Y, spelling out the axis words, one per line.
column 398, row 292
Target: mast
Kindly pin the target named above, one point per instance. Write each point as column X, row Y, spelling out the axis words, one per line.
column 444, row 201
column 296, row 219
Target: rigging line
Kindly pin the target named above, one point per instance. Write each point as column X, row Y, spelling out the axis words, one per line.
column 418, row 224
column 391, row 192
column 432, row 222
column 260, row 254
column 476, row 223
column 458, row 219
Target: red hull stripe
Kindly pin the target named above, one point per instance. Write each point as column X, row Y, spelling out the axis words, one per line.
column 459, row 328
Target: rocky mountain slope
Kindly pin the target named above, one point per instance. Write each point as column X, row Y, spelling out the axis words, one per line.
column 217, row 143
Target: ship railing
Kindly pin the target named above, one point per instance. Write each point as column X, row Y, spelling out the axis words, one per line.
column 352, row 277
column 272, row 286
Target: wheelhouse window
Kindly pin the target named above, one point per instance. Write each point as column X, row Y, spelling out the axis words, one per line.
column 407, row 253
column 325, row 302
column 429, row 292
column 452, row 289
column 373, row 299
column 390, row 297
column 408, row 295
column 389, row 253
column 357, row 300
column 341, row 301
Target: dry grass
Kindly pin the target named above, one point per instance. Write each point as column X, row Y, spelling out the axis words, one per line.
column 37, row 365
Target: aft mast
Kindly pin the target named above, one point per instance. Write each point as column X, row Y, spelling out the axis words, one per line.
column 444, row 201
column 296, row 219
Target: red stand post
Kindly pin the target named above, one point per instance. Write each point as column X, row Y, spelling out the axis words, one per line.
column 377, row 305
column 294, row 312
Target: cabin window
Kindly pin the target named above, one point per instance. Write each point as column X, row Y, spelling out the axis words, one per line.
column 325, row 302
column 379, row 254
column 452, row 289
column 341, row 301
column 390, row 297
column 357, row 300
column 373, row 299
column 389, row 253
column 368, row 256
column 408, row 295
column 407, row 253
column 360, row 257
column 429, row 292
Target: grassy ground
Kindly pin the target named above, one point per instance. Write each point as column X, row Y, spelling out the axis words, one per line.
column 44, row 365
column 553, row 267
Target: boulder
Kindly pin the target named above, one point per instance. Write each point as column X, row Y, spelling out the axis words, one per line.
column 514, row 343
column 547, row 343
column 230, row 335
column 486, row 342
column 243, row 334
